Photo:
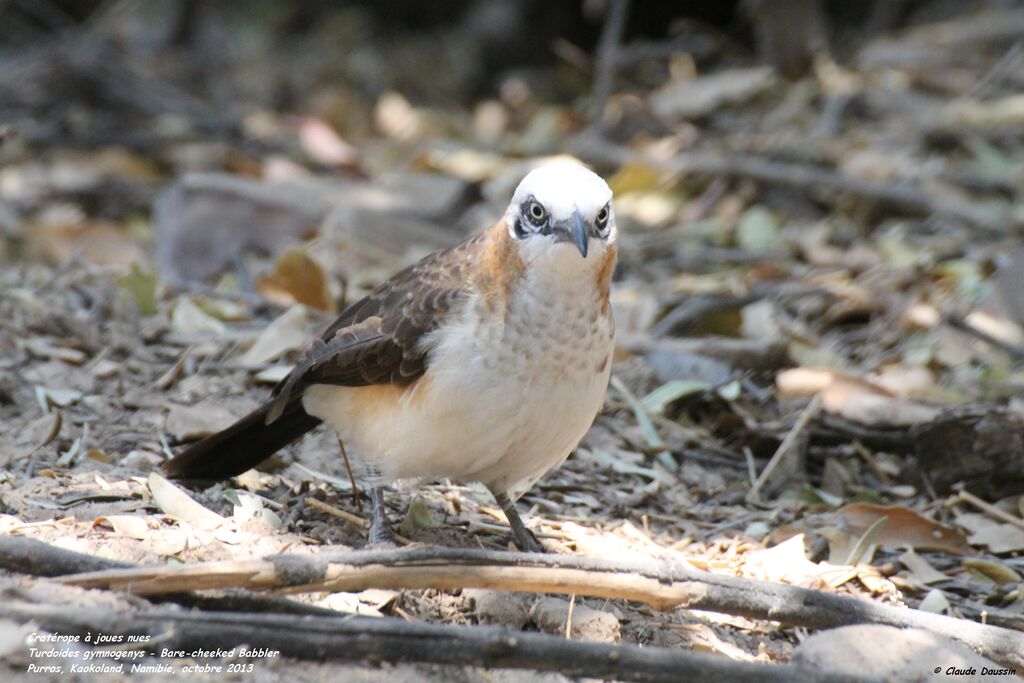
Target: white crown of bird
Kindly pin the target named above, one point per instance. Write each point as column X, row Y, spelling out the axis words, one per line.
column 574, row 206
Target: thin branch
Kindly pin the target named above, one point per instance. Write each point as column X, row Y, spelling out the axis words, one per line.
column 30, row 556
column 608, row 56
column 349, row 517
column 958, row 323
column 354, row 638
column 907, row 196
column 664, row 584
column 989, row 509
column 784, row 455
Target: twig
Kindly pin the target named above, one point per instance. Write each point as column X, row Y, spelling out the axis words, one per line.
column 349, row 517
column 863, row 543
column 607, row 56
column 355, row 638
column 958, row 323
column 872, row 463
column 789, row 446
column 665, row 583
column 746, row 354
column 810, row 177
column 351, row 477
column 30, row 556
column 338, row 512
column 1009, row 62
column 568, row 616
column 989, row 509
column 693, row 309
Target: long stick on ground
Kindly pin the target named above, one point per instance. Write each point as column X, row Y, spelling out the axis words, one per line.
column 29, row 556
column 353, row 638
column 787, row 453
column 663, row 584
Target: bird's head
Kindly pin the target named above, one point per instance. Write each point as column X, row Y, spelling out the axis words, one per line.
column 561, row 214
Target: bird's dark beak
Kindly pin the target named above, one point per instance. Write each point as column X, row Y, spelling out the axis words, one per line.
column 573, row 230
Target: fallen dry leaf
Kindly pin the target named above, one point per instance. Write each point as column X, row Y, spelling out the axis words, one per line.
column 249, row 507
column 297, row 278
column 42, row 348
column 873, row 580
column 920, row 571
column 125, row 525
column 49, row 396
column 396, row 117
column 995, row 571
column 188, row 320
column 853, row 398
column 903, row 380
column 33, row 436
column 701, row 638
column 196, row 421
column 178, row 504
column 323, row 144
column 273, row 374
column 802, row 382
column 635, row 177
column 904, row 528
column 286, row 333
column 168, row 541
column 860, row 403
column 935, row 602
column 787, row 563
column 997, row 537
column 59, row 238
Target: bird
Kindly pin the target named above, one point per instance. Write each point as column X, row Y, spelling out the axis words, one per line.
column 484, row 362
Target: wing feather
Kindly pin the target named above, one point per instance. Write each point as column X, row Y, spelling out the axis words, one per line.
column 378, row 340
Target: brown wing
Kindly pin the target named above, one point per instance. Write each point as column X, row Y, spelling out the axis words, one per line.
column 377, row 340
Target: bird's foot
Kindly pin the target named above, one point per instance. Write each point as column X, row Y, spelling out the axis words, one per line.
column 525, row 539
column 380, row 535
column 381, row 538
column 527, row 542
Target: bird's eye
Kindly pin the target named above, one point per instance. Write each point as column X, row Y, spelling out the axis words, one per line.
column 536, row 213
column 602, row 218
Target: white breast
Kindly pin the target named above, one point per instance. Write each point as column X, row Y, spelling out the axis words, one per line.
column 506, row 398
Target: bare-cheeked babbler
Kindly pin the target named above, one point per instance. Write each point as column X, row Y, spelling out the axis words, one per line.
column 484, row 362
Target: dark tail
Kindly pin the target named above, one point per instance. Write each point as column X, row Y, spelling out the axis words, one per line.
column 243, row 445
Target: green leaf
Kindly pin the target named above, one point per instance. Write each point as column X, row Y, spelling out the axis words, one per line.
column 656, row 401
column 141, row 286
column 643, row 417
column 990, row 161
column 730, row 391
column 419, row 516
column 758, row 230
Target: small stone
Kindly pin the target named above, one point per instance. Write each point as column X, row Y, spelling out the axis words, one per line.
column 891, row 654
column 552, row 614
column 500, row 608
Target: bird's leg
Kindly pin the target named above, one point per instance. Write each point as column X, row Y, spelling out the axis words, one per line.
column 380, row 533
column 525, row 539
